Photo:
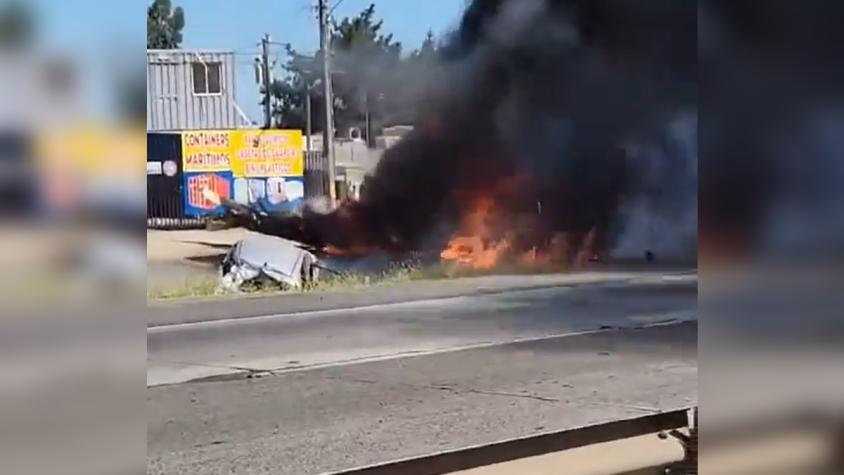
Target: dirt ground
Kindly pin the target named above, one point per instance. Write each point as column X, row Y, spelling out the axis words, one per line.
column 187, row 257
column 193, row 245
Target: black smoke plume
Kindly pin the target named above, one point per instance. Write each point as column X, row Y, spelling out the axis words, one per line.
column 772, row 116
column 560, row 92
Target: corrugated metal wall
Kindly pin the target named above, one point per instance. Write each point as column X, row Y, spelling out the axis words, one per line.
column 171, row 101
column 316, row 177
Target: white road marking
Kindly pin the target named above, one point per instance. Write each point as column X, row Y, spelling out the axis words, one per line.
column 422, row 302
column 665, row 320
column 317, row 313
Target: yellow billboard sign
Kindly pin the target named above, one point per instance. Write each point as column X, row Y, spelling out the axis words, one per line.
column 246, row 153
column 267, row 153
column 206, row 151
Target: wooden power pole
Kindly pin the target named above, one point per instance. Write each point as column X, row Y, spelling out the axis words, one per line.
column 328, row 130
column 265, row 72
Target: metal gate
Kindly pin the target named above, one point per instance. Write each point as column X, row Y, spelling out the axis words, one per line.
column 316, row 178
column 165, row 180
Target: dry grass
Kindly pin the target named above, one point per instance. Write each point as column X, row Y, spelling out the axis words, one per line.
column 398, row 273
column 208, row 286
column 355, row 280
column 194, row 287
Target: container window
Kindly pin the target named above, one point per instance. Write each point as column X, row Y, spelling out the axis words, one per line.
column 206, row 78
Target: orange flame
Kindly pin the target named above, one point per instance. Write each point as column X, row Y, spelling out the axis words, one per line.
column 470, row 252
column 475, row 246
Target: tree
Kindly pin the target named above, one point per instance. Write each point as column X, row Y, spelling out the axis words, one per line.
column 164, row 25
column 428, row 51
column 370, row 74
column 360, row 38
column 419, row 77
column 363, row 60
column 289, row 93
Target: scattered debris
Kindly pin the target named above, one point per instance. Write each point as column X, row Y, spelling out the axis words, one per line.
column 274, row 259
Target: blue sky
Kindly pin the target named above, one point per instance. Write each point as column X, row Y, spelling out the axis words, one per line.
column 239, row 24
column 110, row 34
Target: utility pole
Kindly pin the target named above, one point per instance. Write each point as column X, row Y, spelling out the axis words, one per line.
column 265, row 63
column 368, row 125
column 308, row 130
column 328, row 130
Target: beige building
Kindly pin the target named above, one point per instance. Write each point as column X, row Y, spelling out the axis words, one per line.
column 354, row 160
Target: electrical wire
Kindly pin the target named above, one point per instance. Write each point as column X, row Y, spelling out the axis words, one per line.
column 331, row 10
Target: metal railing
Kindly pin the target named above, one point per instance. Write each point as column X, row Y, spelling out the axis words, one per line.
column 515, row 449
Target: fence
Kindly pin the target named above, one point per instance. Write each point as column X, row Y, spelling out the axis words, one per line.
column 316, row 176
column 165, row 179
column 166, row 183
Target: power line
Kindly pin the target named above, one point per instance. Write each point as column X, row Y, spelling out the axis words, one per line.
column 339, row 2
column 308, row 6
column 258, row 52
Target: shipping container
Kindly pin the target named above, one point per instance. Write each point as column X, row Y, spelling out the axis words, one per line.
column 191, row 90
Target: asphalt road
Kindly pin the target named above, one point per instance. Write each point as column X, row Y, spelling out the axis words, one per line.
column 238, row 306
column 334, row 389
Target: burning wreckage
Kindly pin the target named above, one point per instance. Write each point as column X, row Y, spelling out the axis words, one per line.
column 556, row 117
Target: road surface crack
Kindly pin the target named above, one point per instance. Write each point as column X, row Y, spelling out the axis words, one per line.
column 239, row 372
column 525, row 396
column 453, row 389
column 652, row 410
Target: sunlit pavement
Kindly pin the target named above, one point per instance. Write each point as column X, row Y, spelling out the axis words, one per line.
column 333, row 389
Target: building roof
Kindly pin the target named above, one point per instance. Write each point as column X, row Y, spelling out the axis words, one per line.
column 191, row 50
